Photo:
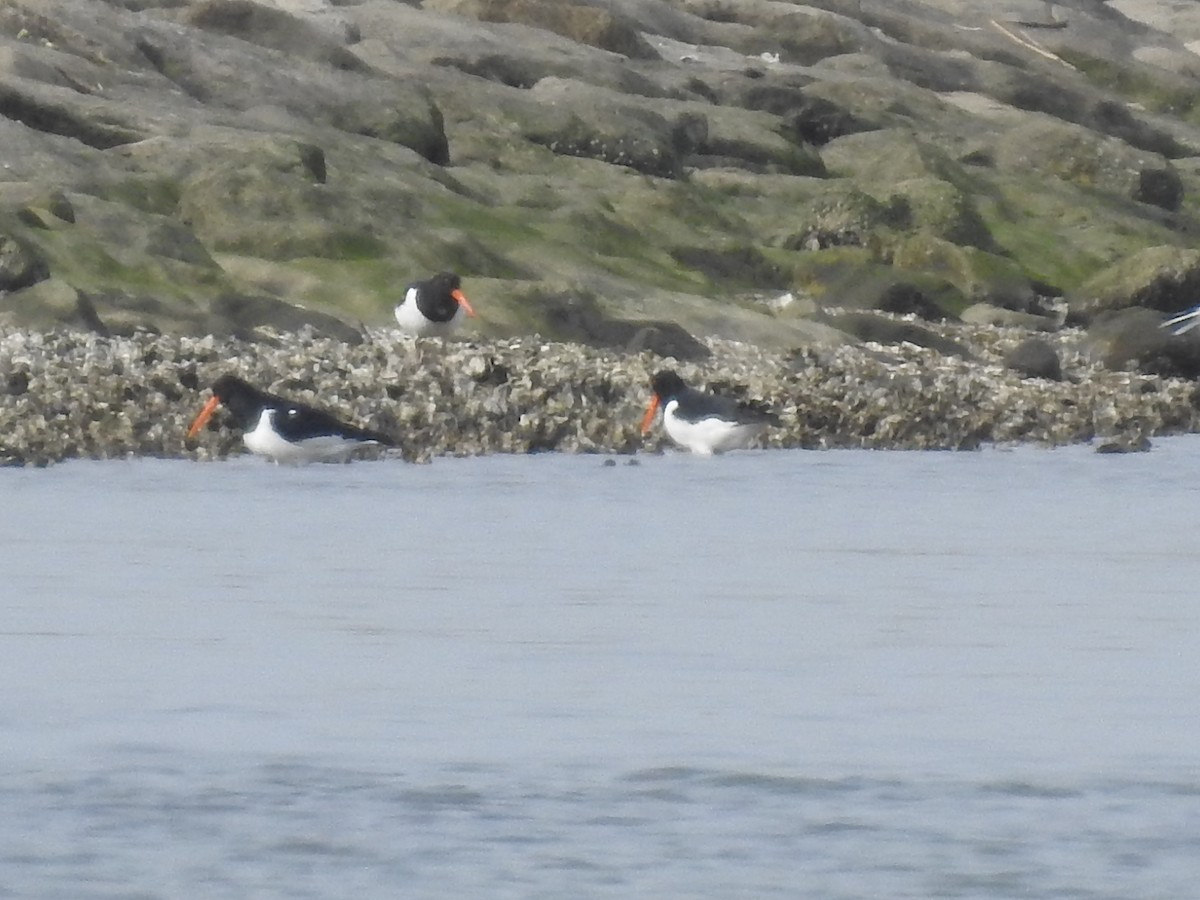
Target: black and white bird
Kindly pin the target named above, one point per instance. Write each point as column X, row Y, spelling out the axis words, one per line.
column 1182, row 323
column 703, row 423
column 285, row 431
column 435, row 307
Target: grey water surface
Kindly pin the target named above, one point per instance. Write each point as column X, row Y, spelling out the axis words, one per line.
column 841, row 674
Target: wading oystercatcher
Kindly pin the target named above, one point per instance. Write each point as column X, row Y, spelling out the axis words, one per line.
column 283, row 430
column 703, row 423
column 435, row 307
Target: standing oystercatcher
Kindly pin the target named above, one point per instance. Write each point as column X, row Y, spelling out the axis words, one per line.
column 434, row 308
column 284, row 430
column 1182, row 323
column 703, row 423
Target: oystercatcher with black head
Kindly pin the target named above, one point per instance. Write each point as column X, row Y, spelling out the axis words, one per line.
column 435, row 307
column 285, row 431
column 704, row 423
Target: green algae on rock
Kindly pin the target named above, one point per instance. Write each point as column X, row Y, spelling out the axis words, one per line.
column 166, row 152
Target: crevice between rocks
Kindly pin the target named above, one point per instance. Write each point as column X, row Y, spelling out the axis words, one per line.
column 51, row 119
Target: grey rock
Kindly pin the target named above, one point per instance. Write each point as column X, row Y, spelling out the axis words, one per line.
column 1134, row 443
column 136, row 394
column 248, row 166
column 885, row 330
column 1163, row 278
column 20, row 264
column 1134, row 339
column 1035, row 358
column 272, row 28
column 582, row 23
column 987, row 314
column 1077, row 154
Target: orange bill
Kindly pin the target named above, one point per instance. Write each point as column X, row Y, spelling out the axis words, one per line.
column 648, row 419
column 205, row 414
column 462, row 301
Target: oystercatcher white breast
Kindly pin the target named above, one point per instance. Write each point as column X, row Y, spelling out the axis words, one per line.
column 284, row 431
column 435, row 307
column 703, row 423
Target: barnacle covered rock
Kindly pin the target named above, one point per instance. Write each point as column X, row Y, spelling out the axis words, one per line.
column 77, row 394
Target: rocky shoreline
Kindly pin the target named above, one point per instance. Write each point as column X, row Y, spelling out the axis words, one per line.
column 73, row 394
column 593, row 168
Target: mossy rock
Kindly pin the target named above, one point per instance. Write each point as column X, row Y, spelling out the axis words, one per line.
column 49, row 304
column 55, row 303
column 746, row 139
column 242, row 315
column 841, row 215
column 1060, row 236
column 853, row 278
column 652, row 136
column 997, row 317
column 270, row 162
column 1083, row 157
column 263, row 200
column 1147, row 86
column 21, row 264
column 808, row 37
column 807, row 119
column 272, row 28
column 575, row 119
column 733, row 264
column 37, row 206
column 583, row 24
column 1160, row 278
column 977, row 274
column 1133, row 339
column 575, row 313
column 921, row 186
column 943, row 210
column 882, row 330
column 891, row 156
column 118, row 249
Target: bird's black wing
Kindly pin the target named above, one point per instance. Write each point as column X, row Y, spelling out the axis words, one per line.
column 696, row 405
column 295, row 421
column 757, row 411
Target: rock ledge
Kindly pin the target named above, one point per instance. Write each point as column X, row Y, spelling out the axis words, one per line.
column 71, row 394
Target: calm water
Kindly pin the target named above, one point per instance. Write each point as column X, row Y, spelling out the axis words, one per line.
column 790, row 674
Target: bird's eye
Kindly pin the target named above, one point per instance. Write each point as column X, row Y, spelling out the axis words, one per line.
column 292, row 411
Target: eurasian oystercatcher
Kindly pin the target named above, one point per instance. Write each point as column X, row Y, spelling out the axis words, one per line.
column 704, row 423
column 1182, row 323
column 435, row 307
column 284, row 430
